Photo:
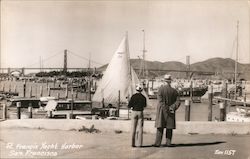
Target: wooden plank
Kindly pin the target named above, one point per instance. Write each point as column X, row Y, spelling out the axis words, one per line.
column 232, row 100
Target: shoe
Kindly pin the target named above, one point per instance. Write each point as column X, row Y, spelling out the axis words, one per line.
column 168, row 145
column 155, row 145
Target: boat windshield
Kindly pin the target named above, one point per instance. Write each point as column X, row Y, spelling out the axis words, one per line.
column 77, row 106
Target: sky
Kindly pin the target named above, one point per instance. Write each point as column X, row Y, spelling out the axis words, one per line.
column 33, row 31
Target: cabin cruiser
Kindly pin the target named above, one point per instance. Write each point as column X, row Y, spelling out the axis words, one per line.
column 64, row 108
column 242, row 114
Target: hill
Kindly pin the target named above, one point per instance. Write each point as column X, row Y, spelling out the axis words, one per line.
column 223, row 67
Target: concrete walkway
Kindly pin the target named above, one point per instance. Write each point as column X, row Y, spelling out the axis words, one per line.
column 41, row 143
column 124, row 125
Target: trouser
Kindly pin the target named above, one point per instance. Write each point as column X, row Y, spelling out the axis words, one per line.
column 159, row 133
column 137, row 128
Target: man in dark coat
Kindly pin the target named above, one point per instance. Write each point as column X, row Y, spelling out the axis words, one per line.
column 169, row 102
column 137, row 103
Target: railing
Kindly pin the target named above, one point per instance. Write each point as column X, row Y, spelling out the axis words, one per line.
column 3, row 108
column 233, row 100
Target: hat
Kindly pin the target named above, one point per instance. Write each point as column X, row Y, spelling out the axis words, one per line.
column 138, row 87
column 167, row 77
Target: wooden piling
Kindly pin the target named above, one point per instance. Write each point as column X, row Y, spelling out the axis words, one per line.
column 24, row 89
column 30, row 92
column 30, row 110
column 95, row 86
column 191, row 91
column 41, row 91
column 222, row 111
column 66, row 91
column 3, row 87
column 210, row 102
column 58, row 95
column 103, row 105
column 223, row 106
column 10, row 88
column 187, row 110
column 54, row 83
column 102, row 92
column 18, row 106
column 50, row 114
column 47, row 83
column 245, row 99
column 89, row 90
column 76, row 94
column 72, row 103
column 4, row 111
column 14, row 88
column 147, row 86
column 152, row 84
column 49, row 91
column 119, row 102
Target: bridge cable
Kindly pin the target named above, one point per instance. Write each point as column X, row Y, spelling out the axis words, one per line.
column 84, row 58
column 50, row 57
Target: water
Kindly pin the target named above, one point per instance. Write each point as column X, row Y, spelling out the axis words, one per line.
column 9, row 85
column 199, row 111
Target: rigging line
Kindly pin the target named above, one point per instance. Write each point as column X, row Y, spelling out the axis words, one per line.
column 180, row 59
column 48, row 58
column 84, row 58
column 140, row 71
column 194, row 60
column 232, row 51
column 45, row 59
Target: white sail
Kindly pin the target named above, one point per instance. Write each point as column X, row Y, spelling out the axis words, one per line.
column 119, row 76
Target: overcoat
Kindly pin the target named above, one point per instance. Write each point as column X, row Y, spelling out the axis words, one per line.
column 168, row 99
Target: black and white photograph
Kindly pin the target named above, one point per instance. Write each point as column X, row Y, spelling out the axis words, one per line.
column 127, row 79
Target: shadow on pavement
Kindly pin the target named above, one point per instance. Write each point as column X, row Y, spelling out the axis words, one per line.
column 197, row 144
column 145, row 146
column 189, row 144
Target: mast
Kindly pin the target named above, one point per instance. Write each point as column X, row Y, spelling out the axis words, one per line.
column 65, row 62
column 41, row 63
column 40, row 60
column 188, row 67
column 89, row 61
column 129, row 64
column 144, row 56
column 127, row 51
column 89, row 66
column 236, row 60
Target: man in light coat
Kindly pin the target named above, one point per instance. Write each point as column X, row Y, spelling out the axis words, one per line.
column 169, row 102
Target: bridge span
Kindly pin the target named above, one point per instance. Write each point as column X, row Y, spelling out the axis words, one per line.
column 47, row 69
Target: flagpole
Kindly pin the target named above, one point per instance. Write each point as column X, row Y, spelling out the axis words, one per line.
column 236, row 60
column 144, row 55
column 128, row 58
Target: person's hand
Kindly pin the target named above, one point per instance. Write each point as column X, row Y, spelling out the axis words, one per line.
column 171, row 109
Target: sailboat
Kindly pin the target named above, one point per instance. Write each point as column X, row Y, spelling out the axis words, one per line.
column 119, row 80
column 242, row 113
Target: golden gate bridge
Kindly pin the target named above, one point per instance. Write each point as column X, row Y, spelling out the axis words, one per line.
column 65, row 68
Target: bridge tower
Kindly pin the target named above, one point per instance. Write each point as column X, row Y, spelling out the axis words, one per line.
column 23, row 71
column 188, row 66
column 9, row 72
column 65, row 62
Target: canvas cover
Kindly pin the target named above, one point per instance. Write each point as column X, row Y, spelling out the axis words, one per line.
column 119, row 76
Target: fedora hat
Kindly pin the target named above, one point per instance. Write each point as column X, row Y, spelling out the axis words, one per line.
column 167, row 77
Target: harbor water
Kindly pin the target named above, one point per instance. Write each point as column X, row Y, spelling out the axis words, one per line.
column 198, row 111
